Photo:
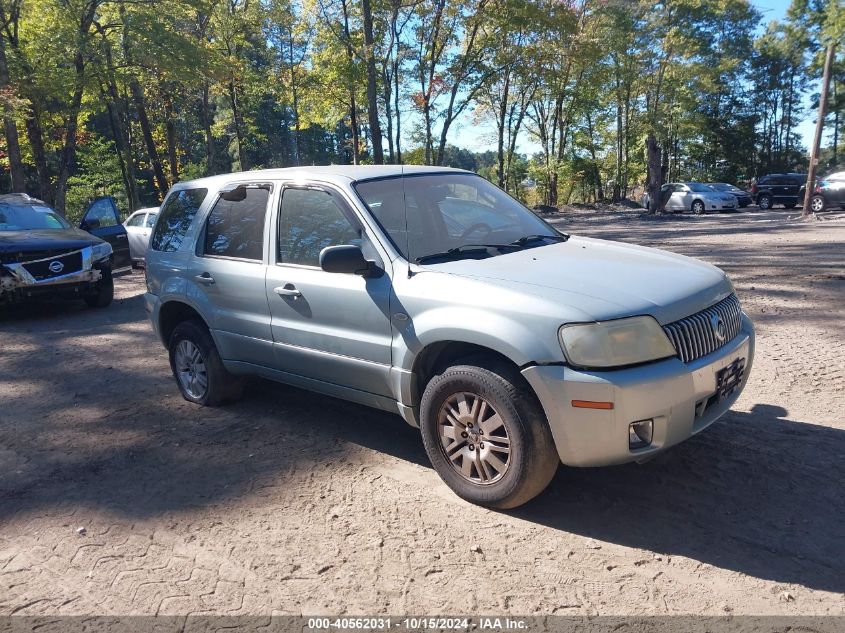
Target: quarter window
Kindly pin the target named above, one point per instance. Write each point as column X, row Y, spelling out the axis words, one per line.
column 177, row 213
column 311, row 220
column 235, row 226
column 151, row 220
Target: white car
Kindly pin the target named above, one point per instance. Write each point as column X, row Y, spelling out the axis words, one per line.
column 698, row 198
column 139, row 225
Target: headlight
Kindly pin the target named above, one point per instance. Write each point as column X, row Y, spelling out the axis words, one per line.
column 615, row 343
column 100, row 251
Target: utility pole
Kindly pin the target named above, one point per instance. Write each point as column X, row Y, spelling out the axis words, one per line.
column 814, row 150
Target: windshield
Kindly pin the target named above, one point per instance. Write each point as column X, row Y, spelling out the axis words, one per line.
column 448, row 212
column 698, row 187
column 26, row 217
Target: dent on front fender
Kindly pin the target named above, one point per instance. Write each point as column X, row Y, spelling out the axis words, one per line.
column 511, row 338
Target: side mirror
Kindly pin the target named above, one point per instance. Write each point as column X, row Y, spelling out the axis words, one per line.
column 89, row 225
column 346, row 259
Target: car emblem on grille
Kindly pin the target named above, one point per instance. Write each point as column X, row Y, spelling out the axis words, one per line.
column 719, row 329
column 56, row 266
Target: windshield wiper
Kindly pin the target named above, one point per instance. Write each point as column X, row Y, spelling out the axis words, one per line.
column 522, row 241
column 466, row 249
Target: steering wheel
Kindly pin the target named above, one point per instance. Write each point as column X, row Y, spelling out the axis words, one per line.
column 475, row 227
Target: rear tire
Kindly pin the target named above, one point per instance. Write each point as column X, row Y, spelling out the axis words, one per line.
column 198, row 369
column 698, row 207
column 104, row 293
column 764, row 202
column 501, row 447
column 817, row 204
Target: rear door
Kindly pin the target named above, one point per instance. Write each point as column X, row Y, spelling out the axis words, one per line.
column 102, row 219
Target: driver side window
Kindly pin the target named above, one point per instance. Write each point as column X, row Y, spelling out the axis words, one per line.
column 311, row 220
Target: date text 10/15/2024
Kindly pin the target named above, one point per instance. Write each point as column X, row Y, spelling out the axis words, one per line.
column 417, row 623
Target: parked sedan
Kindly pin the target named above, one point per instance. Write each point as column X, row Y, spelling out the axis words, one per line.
column 743, row 198
column 698, row 198
column 829, row 192
column 138, row 228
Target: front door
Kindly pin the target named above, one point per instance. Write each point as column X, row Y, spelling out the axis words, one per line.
column 102, row 219
column 330, row 327
column 227, row 271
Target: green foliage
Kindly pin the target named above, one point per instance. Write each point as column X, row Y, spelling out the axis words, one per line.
column 99, row 175
column 128, row 97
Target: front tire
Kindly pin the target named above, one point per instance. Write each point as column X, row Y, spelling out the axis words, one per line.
column 817, row 204
column 764, row 202
column 104, row 293
column 198, row 369
column 698, row 207
column 487, row 436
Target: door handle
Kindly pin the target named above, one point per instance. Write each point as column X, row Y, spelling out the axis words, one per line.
column 205, row 278
column 121, row 236
column 288, row 290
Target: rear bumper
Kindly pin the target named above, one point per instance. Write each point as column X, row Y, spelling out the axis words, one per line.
column 675, row 395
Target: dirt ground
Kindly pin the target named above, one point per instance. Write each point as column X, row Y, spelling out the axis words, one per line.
column 291, row 503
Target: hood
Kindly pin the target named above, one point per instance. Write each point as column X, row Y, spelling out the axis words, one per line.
column 603, row 279
column 15, row 242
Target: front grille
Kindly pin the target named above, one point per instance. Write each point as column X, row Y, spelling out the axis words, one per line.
column 698, row 335
column 28, row 256
column 70, row 263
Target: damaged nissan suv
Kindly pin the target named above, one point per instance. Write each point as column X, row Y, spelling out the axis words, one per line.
column 433, row 294
column 43, row 257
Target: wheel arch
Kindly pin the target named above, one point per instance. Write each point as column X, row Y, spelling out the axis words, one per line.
column 437, row 356
column 171, row 314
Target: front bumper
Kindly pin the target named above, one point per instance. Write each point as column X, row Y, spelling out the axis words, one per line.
column 675, row 395
column 17, row 284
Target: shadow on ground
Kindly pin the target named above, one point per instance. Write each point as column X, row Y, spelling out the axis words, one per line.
column 110, row 432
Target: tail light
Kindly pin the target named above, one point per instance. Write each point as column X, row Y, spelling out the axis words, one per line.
column 818, row 188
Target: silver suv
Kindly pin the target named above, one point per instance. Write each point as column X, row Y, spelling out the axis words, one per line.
column 431, row 293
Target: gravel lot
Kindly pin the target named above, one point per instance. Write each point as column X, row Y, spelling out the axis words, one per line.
column 291, row 503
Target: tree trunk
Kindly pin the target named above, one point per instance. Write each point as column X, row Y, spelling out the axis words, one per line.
column 147, row 132
column 209, row 137
column 36, row 144
column 654, row 160
column 500, row 131
column 172, row 157
column 236, row 117
column 372, row 102
column 13, row 147
column 68, row 156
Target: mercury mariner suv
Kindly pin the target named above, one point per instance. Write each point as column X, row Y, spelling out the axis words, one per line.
column 431, row 293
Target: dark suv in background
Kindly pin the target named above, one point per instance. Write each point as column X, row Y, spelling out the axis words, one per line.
column 43, row 256
column 785, row 189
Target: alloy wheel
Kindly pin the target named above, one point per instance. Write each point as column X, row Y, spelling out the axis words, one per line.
column 817, row 204
column 474, row 438
column 190, row 369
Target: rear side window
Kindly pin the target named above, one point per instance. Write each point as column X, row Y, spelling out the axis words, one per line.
column 177, row 213
column 151, row 220
column 136, row 220
column 235, row 226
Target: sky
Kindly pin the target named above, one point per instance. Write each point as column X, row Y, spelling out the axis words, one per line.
column 481, row 136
